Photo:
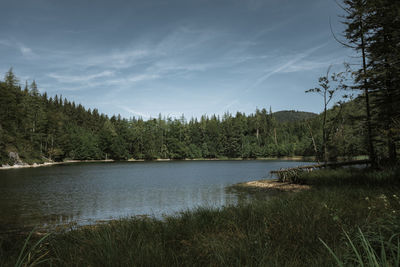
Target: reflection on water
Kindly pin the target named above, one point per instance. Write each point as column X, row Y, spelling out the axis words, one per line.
column 87, row 192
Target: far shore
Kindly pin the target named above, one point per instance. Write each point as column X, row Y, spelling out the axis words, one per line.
column 51, row 163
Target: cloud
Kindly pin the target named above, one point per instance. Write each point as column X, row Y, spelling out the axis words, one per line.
column 168, row 57
column 183, row 52
column 80, row 79
column 115, row 60
column 321, row 62
column 134, row 112
column 25, row 51
column 171, row 67
column 5, row 42
column 142, row 77
column 304, row 66
column 101, row 80
column 127, row 81
column 282, row 68
column 296, row 63
column 177, row 55
column 234, row 102
column 84, row 59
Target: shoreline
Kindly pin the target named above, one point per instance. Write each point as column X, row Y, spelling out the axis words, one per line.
column 271, row 185
column 46, row 164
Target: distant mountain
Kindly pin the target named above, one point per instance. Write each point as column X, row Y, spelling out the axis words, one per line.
column 292, row 115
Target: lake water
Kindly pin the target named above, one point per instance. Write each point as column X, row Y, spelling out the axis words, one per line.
column 87, row 192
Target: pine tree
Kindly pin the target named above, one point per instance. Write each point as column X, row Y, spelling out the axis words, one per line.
column 357, row 34
column 384, row 54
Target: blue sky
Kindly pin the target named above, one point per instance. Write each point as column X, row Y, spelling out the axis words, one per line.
column 142, row 58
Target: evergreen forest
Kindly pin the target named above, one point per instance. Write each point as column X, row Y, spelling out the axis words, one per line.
column 43, row 128
column 39, row 127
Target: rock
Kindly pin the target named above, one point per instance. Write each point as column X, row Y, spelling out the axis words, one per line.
column 14, row 158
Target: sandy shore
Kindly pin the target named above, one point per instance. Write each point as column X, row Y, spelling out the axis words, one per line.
column 274, row 185
column 35, row 165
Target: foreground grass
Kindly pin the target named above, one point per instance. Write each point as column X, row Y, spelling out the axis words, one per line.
column 310, row 228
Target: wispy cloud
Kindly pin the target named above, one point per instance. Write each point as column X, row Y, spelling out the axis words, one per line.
column 284, row 67
column 183, row 53
column 175, row 55
column 128, row 80
column 234, row 102
column 294, row 64
column 80, row 79
column 305, row 65
column 26, row 51
column 116, row 59
column 174, row 67
column 134, row 112
column 5, row 42
column 104, row 79
column 84, row 60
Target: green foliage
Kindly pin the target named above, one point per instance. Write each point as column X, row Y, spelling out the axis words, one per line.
column 293, row 116
column 41, row 128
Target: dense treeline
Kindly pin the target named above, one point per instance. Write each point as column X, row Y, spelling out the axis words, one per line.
column 39, row 127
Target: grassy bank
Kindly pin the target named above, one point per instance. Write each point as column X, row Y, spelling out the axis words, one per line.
column 285, row 230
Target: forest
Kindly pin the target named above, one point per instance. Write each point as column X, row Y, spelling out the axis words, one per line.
column 41, row 128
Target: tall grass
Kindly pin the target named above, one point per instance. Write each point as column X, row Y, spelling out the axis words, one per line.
column 32, row 253
column 363, row 251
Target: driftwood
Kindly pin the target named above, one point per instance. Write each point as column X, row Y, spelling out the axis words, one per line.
column 291, row 174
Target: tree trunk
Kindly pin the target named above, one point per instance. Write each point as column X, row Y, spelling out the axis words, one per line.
column 371, row 150
column 324, row 137
column 313, row 141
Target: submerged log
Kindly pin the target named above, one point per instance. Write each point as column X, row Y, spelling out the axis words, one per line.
column 323, row 165
column 291, row 174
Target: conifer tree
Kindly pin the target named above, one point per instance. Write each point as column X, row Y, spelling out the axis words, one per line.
column 356, row 32
column 384, row 54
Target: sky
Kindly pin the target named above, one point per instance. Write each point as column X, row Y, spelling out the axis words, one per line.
column 174, row 57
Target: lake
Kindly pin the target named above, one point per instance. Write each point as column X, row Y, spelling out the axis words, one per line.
column 84, row 193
